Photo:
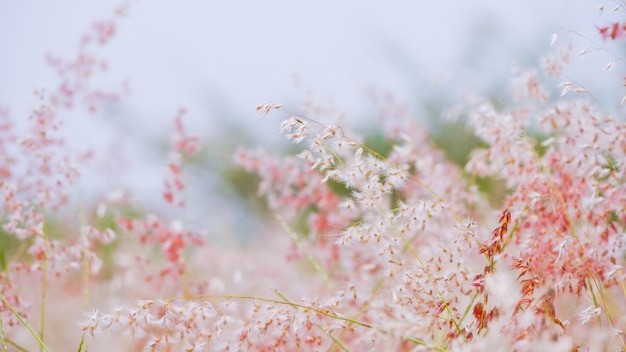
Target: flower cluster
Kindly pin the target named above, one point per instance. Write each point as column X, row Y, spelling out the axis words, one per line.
column 387, row 246
column 37, row 173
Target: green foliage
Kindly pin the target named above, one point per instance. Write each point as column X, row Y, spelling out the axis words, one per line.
column 611, row 163
column 108, row 221
column 495, row 189
column 339, row 188
column 455, row 140
column 538, row 140
column 244, row 185
column 379, row 143
column 301, row 225
column 12, row 248
column 8, row 246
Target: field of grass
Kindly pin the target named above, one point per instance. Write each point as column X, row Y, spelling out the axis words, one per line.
column 500, row 226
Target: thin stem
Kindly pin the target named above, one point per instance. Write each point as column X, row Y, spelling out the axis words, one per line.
column 28, row 327
column 16, row 345
column 2, row 336
column 44, row 274
column 421, row 263
column 309, row 308
column 318, row 267
column 328, row 333
column 82, row 344
column 593, row 277
column 85, row 278
column 85, row 265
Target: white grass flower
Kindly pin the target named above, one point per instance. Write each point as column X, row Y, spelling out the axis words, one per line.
column 589, row 313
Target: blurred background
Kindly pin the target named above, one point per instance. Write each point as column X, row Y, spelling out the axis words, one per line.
column 221, row 59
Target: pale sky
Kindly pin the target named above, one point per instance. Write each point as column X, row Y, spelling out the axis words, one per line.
column 222, row 58
column 246, row 52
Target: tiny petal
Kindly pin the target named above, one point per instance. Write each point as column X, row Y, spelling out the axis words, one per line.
column 553, row 38
column 358, row 154
column 588, row 313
